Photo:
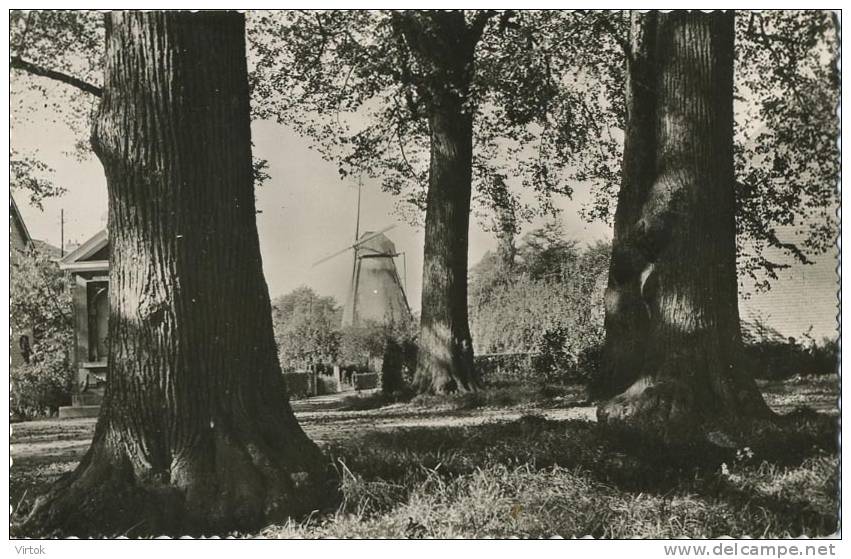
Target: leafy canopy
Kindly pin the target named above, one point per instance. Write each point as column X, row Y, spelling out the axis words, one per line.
column 353, row 83
column 786, row 149
column 306, row 328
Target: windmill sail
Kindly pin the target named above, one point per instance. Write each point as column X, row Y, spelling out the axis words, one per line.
column 375, row 291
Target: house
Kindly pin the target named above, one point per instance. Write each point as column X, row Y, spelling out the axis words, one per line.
column 88, row 265
column 21, row 243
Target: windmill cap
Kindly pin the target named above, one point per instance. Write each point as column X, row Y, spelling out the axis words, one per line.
column 379, row 243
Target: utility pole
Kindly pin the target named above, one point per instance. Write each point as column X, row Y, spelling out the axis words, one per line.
column 62, row 233
column 354, row 284
column 405, row 271
column 357, row 219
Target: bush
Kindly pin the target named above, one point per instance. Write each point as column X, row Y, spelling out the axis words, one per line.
column 40, row 388
column 548, row 305
column 506, row 368
column 305, row 328
column 388, row 348
column 40, row 302
column 365, row 381
column 589, row 362
column 775, row 360
column 298, row 385
column 326, row 385
column 554, row 364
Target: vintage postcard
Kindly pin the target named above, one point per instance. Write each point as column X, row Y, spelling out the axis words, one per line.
column 422, row 273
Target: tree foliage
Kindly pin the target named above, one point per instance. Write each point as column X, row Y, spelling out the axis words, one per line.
column 34, row 177
column 352, row 83
column 548, row 97
column 56, row 57
column 40, row 303
column 553, row 295
column 786, row 151
column 306, row 328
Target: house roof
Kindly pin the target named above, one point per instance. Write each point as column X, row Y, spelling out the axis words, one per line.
column 79, row 260
column 52, row 252
column 18, row 221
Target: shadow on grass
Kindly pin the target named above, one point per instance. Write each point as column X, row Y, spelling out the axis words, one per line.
column 501, row 395
column 782, row 484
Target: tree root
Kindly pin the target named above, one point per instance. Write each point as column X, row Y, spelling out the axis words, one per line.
column 672, row 412
column 217, row 487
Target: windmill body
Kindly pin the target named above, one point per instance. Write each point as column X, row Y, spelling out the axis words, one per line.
column 376, row 293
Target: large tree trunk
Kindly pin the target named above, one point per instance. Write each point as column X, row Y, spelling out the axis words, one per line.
column 195, row 434
column 445, row 45
column 673, row 339
column 627, row 320
column 445, row 357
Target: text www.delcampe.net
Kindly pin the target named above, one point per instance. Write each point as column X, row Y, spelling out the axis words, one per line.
column 750, row 549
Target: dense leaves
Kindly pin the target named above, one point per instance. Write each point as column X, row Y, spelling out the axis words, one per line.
column 548, row 96
column 306, row 328
column 40, row 304
column 352, row 83
column 551, row 302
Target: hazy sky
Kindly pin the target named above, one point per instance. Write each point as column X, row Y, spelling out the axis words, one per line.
column 308, row 212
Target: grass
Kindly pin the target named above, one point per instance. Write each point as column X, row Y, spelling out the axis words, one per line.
column 540, row 478
column 498, row 476
column 818, row 391
column 494, row 396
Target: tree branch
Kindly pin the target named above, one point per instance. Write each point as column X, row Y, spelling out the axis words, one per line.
column 480, row 20
column 613, row 33
column 20, row 64
column 401, row 142
column 792, row 248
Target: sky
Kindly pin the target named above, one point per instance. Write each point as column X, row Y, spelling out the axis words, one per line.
column 308, row 212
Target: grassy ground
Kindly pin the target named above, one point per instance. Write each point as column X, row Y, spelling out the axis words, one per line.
column 532, row 464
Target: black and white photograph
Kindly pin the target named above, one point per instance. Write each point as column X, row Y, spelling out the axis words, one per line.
column 419, row 273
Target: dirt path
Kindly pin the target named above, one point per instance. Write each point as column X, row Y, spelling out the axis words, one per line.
column 60, row 441
column 43, row 449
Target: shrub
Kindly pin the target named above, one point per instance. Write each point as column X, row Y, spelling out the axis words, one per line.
column 388, row 348
column 40, row 388
column 506, row 368
column 774, row 360
column 548, row 305
column 326, row 385
column 40, row 302
column 554, row 364
column 298, row 385
column 305, row 328
column 365, row 381
column 589, row 362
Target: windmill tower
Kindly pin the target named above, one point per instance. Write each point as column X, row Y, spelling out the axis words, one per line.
column 376, row 292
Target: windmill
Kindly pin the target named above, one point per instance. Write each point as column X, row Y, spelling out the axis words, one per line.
column 376, row 292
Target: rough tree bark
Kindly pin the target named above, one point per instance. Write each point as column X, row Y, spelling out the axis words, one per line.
column 671, row 360
column 505, row 225
column 445, row 44
column 195, row 434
